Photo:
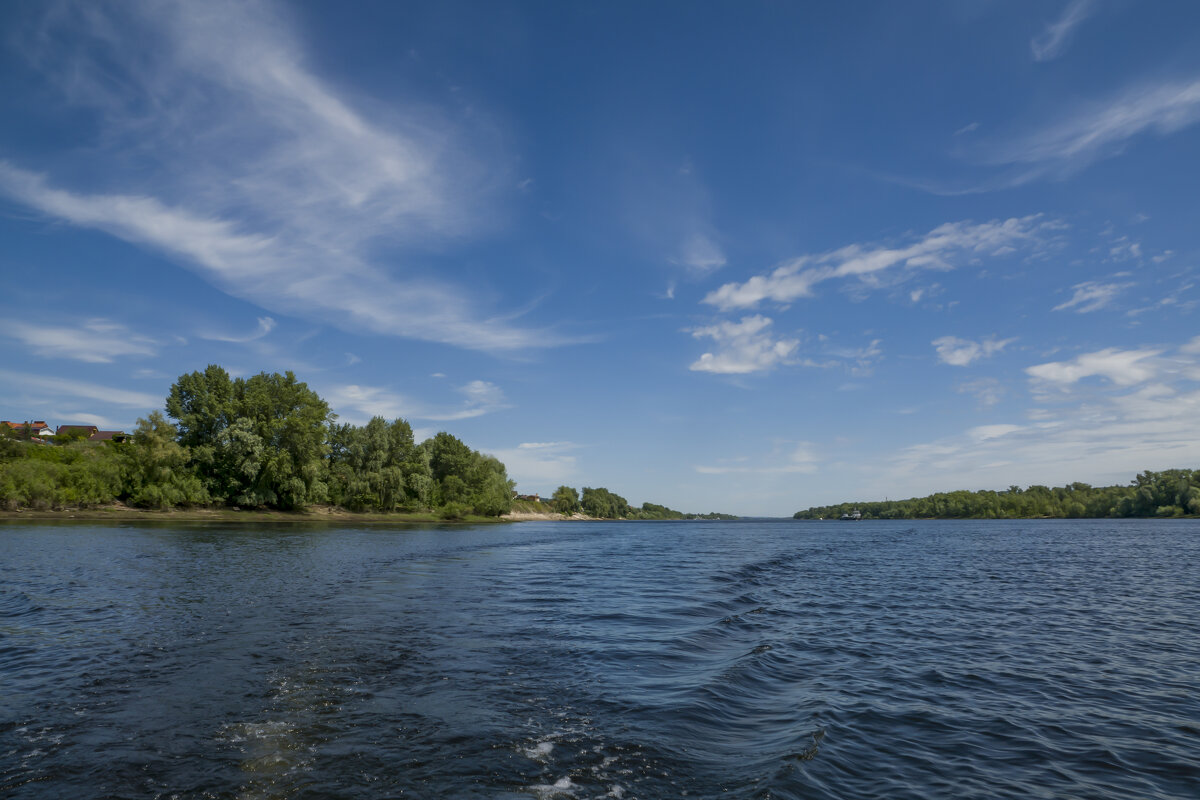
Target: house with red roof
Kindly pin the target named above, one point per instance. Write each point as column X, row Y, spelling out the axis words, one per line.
column 36, row 428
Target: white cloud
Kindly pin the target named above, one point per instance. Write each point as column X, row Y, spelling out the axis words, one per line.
column 85, row 418
column 943, row 248
column 1105, row 439
column 962, row 352
column 359, row 403
column 1103, row 130
column 801, row 458
column 262, row 178
column 265, row 326
column 984, row 433
column 97, row 341
column 1125, row 250
column 1121, row 367
column 541, row 466
column 1141, row 416
column 701, row 254
column 74, row 390
column 743, row 347
column 482, row 398
column 1092, row 296
column 670, row 211
column 988, row 391
column 1053, row 40
column 970, row 126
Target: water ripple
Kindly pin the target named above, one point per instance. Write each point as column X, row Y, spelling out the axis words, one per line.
column 622, row 660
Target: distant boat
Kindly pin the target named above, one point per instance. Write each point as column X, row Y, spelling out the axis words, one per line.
column 854, row 516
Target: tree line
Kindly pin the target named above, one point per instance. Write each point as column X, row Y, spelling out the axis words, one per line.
column 603, row 504
column 1169, row 493
column 267, row 441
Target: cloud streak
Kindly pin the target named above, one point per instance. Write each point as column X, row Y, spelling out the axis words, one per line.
column 1092, row 296
column 96, row 341
column 801, row 459
column 1052, row 41
column 700, row 254
column 539, row 465
column 262, row 178
column 1102, row 130
column 359, row 403
column 1121, row 367
column 75, row 390
column 943, row 248
column 265, row 326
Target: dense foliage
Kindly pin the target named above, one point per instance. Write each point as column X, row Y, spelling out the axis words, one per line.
column 603, row 504
column 1170, row 493
column 267, row 441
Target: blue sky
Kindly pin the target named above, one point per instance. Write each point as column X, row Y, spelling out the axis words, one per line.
column 746, row 257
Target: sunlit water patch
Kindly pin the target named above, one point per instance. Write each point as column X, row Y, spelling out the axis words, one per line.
column 622, row 660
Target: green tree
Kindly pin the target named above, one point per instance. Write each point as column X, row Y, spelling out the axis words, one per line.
column 491, row 490
column 603, row 504
column 565, row 500
column 156, row 472
column 255, row 441
column 448, row 456
column 202, row 404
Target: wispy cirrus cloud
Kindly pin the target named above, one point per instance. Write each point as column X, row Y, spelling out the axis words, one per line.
column 670, row 211
column 264, row 327
column 743, row 347
column 359, row 403
column 258, row 174
column 1081, row 135
column 1092, row 296
column 1100, row 130
column 962, row 352
column 987, row 391
column 59, row 389
column 943, row 248
column 1052, row 41
column 483, row 397
column 800, row 457
column 97, row 341
column 699, row 253
column 539, row 465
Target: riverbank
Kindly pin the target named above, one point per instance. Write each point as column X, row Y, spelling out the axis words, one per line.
column 529, row 516
column 119, row 512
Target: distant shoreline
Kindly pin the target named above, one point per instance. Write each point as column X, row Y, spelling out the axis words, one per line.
column 119, row 512
column 323, row 514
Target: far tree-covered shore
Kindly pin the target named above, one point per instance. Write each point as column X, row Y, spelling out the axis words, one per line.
column 270, row 442
column 1169, row 493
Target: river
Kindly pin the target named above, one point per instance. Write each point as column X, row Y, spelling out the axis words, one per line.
column 747, row 659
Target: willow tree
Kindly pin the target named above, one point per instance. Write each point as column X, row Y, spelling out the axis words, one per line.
column 257, row 441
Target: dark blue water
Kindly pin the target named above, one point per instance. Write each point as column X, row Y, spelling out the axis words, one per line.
column 588, row 660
